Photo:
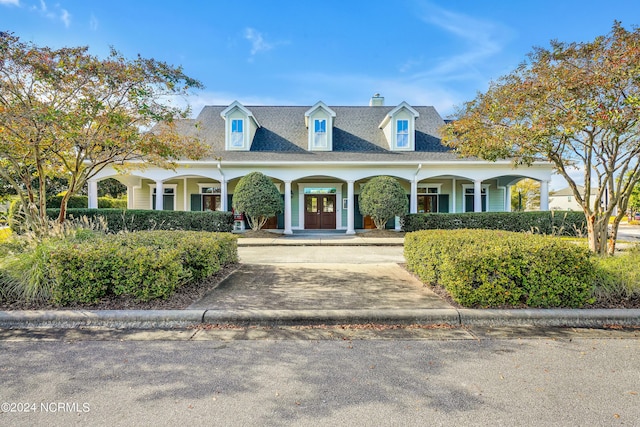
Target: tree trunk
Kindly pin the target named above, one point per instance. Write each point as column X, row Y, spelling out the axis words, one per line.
column 611, row 248
column 380, row 223
column 63, row 207
column 597, row 229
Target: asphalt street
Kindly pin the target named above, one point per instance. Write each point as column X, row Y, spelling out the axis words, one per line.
column 553, row 381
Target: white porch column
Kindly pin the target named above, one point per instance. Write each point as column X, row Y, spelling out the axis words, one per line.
column 223, row 195
column 287, row 207
column 413, row 205
column 544, row 195
column 130, row 202
column 453, row 195
column 477, row 196
column 185, row 196
column 159, row 195
column 93, row 194
column 350, row 208
column 507, row 199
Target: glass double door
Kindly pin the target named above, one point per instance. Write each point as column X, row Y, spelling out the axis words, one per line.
column 320, row 211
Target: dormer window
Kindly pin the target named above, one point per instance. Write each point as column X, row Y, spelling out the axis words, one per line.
column 402, row 133
column 320, row 133
column 237, row 133
column 240, row 127
column 399, row 127
column 319, row 122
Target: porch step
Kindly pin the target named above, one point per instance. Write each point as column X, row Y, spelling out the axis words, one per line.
column 318, row 233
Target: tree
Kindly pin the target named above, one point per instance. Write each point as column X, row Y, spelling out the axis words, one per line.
column 257, row 197
column 383, row 198
column 65, row 113
column 525, row 195
column 111, row 187
column 634, row 200
column 574, row 104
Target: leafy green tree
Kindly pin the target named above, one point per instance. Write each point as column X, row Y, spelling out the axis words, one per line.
column 634, row 200
column 574, row 105
column 383, row 198
column 111, row 187
column 525, row 195
column 257, row 197
column 66, row 113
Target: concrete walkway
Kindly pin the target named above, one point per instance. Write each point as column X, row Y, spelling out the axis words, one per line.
column 321, row 287
column 321, row 240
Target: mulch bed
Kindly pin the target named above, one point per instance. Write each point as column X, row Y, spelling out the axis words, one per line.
column 260, row 234
column 380, row 233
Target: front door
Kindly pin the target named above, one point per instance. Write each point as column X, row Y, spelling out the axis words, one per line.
column 428, row 203
column 320, row 211
column 210, row 202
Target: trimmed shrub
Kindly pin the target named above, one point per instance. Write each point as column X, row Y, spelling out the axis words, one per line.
column 382, row 198
column 557, row 223
column 257, row 197
column 74, row 202
column 486, row 268
column 82, row 202
column 143, row 265
column 111, row 203
column 138, row 219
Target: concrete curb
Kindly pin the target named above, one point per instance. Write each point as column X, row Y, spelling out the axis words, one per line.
column 360, row 316
column 145, row 319
column 576, row 318
column 149, row 319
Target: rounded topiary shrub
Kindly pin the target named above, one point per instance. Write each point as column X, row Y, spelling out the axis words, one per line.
column 383, row 198
column 257, row 197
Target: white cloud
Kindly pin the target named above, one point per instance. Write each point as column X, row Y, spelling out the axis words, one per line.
column 258, row 43
column 93, row 22
column 58, row 13
column 482, row 40
column 65, row 17
column 10, row 2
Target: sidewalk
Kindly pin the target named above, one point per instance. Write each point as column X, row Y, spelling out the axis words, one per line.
column 329, row 239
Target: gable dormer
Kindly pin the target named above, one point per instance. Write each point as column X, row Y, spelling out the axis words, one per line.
column 319, row 122
column 399, row 127
column 240, row 127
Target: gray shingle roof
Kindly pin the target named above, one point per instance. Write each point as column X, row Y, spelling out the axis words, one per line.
column 356, row 136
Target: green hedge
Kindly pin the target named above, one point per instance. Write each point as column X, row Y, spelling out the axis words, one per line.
column 144, row 265
column 82, row 202
column 566, row 223
column 139, row 219
column 488, row 268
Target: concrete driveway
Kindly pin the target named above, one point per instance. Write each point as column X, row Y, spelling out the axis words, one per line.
column 320, row 277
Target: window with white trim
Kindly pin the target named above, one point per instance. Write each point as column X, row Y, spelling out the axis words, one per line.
column 402, row 133
column 168, row 196
column 320, row 133
column 237, row 133
column 469, row 197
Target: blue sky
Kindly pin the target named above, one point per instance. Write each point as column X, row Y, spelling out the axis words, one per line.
column 438, row 53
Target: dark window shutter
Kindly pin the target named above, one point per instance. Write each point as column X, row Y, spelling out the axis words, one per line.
column 443, row 203
column 196, row 202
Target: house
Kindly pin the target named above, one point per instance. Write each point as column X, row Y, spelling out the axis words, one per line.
column 319, row 157
column 564, row 200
